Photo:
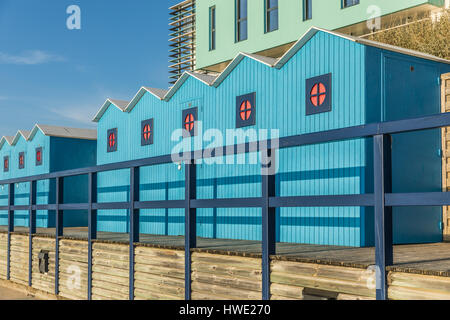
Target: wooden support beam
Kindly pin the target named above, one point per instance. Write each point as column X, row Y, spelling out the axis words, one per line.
column 134, row 223
column 190, row 222
column 383, row 215
column 59, row 232
column 268, row 218
column 92, row 226
column 32, row 230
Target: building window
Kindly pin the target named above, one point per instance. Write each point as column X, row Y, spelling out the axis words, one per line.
column 246, row 110
column 307, row 10
column 212, row 28
column 241, row 20
column 318, row 94
column 22, row 160
column 39, row 156
column 6, row 164
column 147, row 132
column 112, row 140
column 271, row 15
column 349, row 3
column 190, row 118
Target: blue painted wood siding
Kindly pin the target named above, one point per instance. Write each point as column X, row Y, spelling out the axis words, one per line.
column 57, row 154
column 336, row 168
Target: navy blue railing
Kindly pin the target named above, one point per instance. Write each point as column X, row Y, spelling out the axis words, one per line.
column 382, row 199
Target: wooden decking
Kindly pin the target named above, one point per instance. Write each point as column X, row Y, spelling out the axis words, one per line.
column 429, row 259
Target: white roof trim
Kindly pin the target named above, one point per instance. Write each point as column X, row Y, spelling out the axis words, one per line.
column 158, row 93
column 6, row 139
column 25, row 134
column 119, row 104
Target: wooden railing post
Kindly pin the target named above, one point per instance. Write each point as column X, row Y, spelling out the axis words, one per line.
column 92, row 225
column 190, row 222
column 10, row 228
column 268, row 219
column 383, row 215
column 59, row 232
column 134, row 223
column 32, row 230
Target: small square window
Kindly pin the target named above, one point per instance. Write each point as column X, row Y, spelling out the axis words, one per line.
column 147, row 132
column 246, row 110
column 6, row 164
column 318, row 94
column 189, row 122
column 112, row 140
column 349, row 3
column 21, row 160
column 39, row 156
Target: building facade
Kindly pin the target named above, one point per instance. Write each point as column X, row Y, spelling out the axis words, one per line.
column 43, row 150
column 270, row 27
column 326, row 81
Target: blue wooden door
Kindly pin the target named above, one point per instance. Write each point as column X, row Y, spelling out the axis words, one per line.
column 412, row 90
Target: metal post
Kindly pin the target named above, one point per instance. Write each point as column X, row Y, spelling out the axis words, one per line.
column 32, row 230
column 383, row 215
column 92, row 226
column 268, row 220
column 134, row 223
column 190, row 222
column 59, row 232
column 10, row 228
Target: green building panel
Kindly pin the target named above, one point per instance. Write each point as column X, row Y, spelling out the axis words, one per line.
column 328, row 14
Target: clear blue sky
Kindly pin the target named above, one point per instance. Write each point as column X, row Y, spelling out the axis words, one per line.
column 52, row 75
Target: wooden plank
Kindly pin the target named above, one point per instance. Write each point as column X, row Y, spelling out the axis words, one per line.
column 109, row 279
column 293, row 292
column 158, row 280
column 159, row 253
column 99, row 293
column 110, row 255
column 405, row 293
column 110, row 263
column 327, row 284
column 231, row 293
column 220, row 269
column 275, row 297
column 163, row 289
column 169, row 272
column 140, row 294
column 110, row 248
column 233, row 261
column 226, row 281
column 160, row 262
column 419, row 281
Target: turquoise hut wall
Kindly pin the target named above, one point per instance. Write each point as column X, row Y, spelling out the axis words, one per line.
column 57, row 154
column 406, row 87
column 280, row 96
column 359, row 96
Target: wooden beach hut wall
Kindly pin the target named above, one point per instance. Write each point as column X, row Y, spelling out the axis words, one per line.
column 43, row 150
column 325, row 81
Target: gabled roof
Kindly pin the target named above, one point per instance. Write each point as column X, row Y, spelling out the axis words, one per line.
column 64, row 132
column 158, row 93
column 216, row 80
column 23, row 133
column 4, row 139
column 119, row 104
column 50, row 131
column 313, row 30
